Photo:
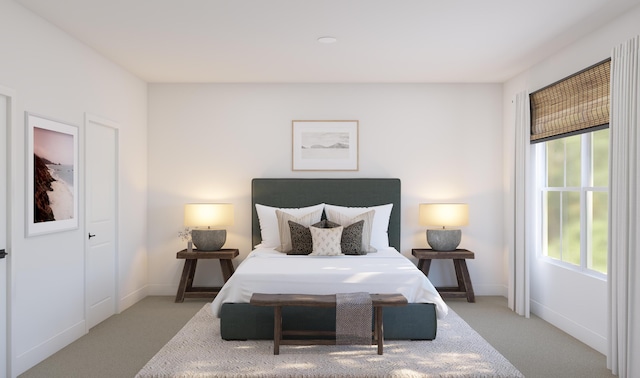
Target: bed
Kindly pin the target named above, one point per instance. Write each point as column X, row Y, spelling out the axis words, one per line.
column 384, row 271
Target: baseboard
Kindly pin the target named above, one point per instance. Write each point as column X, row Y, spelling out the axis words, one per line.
column 162, row 289
column 490, row 290
column 580, row 332
column 40, row 352
column 132, row 298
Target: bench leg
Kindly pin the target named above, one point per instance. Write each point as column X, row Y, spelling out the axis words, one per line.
column 277, row 329
column 379, row 330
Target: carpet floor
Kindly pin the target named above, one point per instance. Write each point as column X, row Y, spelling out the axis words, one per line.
column 198, row 351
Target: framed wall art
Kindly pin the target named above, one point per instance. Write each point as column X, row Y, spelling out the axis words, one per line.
column 325, row 145
column 52, row 176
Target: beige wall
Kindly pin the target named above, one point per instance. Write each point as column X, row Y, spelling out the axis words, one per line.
column 207, row 141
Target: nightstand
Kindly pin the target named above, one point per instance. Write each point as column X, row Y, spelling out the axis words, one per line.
column 459, row 256
column 185, row 289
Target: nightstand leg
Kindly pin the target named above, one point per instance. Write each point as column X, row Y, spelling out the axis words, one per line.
column 192, row 272
column 424, row 265
column 457, row 264
column 227, row 269
column 466, row 279
column 184, row 279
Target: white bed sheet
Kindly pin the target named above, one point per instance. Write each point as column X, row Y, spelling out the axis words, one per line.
column 272, row 272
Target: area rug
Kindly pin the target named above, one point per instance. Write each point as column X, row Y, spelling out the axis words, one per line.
column 198, row 351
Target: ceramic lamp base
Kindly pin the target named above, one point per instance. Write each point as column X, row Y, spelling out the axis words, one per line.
column 208, row 240
column 444, row 240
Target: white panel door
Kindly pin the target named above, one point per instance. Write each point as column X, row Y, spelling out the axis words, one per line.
column 102, row 198
column 4, row 282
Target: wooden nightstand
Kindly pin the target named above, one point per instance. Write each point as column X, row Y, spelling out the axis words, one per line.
column 185, row 289
column 459, row 256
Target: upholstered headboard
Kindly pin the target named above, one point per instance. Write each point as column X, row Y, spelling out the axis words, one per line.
column 343, row 192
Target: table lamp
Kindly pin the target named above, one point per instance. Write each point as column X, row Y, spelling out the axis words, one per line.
column 209, row 215
column 444, row 215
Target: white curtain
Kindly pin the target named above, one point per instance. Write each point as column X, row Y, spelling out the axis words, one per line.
column 623, row 356
column 518, row 256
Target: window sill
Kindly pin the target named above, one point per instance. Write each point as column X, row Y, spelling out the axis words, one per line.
column 574, row 268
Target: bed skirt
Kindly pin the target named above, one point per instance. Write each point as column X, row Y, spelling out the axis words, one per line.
column 242, row 321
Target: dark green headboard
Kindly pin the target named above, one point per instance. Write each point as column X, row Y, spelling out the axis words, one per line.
column 343, row 192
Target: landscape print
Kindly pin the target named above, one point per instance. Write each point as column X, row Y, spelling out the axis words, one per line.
column 325, row 145
column 321, row 145
column 52, row 177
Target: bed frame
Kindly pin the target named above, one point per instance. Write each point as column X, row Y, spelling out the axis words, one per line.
column 240, row 321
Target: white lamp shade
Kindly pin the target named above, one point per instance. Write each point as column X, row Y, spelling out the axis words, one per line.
column 208, row 214
column 444, row 214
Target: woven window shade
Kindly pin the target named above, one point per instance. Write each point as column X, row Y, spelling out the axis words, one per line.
column 572, row 105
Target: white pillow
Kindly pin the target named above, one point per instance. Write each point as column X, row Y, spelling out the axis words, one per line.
column 284, row 230
column 326, row 241
column 269, row 231
column 344, row 220
column 380, row 227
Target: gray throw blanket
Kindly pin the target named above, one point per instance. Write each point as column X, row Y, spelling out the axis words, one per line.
column 353, row 318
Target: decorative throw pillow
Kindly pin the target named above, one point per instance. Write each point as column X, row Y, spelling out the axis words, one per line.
column 301, row 242
column 351, row 241
column 269, row 232
column 283, row 226
column 326, row 241
column 367, row 217
column 380, row 225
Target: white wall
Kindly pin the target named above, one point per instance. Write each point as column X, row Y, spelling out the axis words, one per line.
column 207, row 141
column 56, row 76
column 571, row 301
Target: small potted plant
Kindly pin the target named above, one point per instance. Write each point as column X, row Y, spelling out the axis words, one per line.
column 185, row 235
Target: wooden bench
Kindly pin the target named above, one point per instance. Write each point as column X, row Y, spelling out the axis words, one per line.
column 277, row 301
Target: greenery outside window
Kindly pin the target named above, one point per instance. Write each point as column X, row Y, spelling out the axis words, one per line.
column 573, row 175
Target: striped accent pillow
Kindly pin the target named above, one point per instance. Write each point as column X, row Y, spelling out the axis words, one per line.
column 345, row 220
column 283, row 226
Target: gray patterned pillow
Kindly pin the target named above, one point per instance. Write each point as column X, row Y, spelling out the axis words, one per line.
column 351, row 242
column 301, row 242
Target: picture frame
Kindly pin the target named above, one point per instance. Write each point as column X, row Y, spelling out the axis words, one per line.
column 52, row 176
column 325, row 145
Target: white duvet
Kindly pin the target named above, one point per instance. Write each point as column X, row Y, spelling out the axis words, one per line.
column 272, row 272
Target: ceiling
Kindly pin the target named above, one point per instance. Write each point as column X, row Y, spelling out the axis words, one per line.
column 378, row 41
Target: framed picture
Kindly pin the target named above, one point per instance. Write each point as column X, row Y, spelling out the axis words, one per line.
column 52, row 176
column 325, row 145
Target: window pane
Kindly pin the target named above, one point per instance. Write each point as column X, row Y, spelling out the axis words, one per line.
column 555, row 163
column 553, row 224
column 573, row 160
column 565, row 210
column 600, row 153
column 598, row 235
column 571, row 227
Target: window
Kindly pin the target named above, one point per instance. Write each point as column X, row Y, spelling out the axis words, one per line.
column 573, row 175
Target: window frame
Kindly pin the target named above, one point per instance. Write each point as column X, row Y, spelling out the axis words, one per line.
column 539, row 158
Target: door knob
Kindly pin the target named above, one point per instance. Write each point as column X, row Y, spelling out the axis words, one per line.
column 91, row 235
column 3, row 253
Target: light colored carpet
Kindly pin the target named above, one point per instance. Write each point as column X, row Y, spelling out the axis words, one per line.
column 198, row 351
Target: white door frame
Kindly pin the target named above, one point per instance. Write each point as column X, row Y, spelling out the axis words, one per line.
column 10, row 94
column 90, row 118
